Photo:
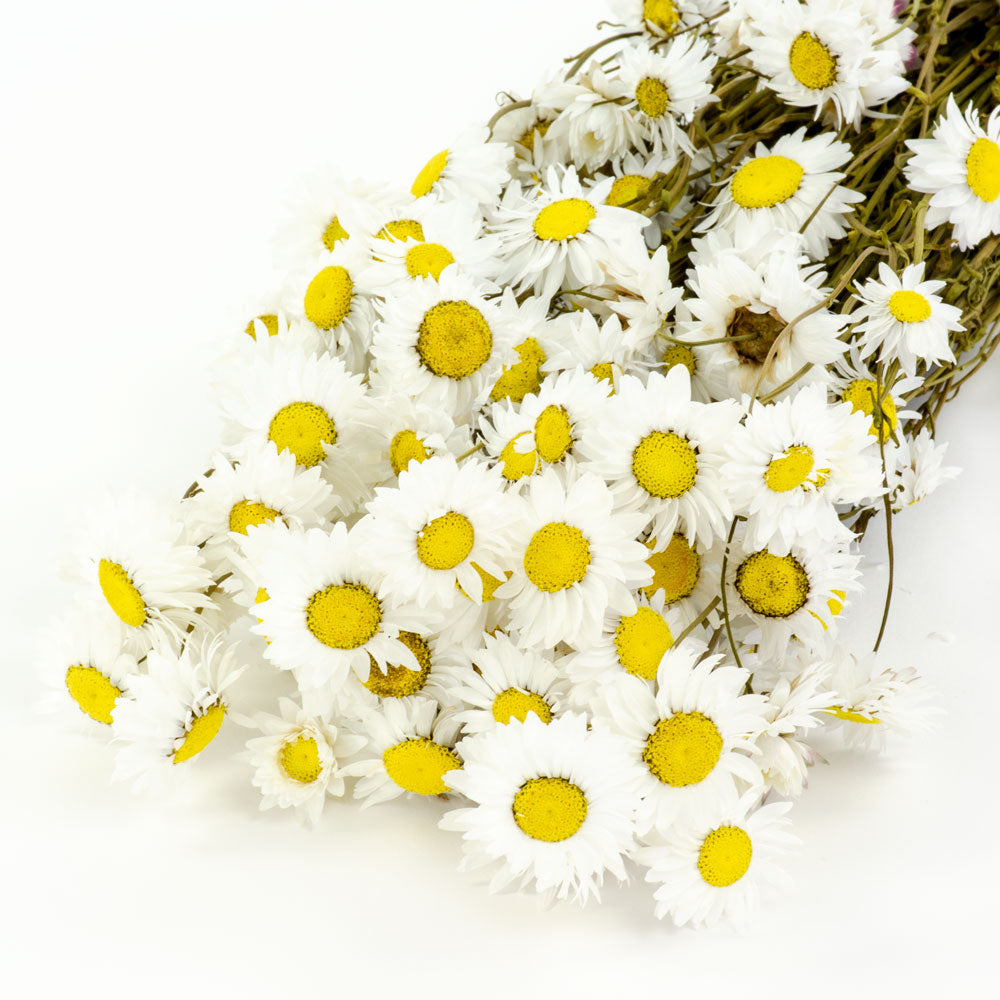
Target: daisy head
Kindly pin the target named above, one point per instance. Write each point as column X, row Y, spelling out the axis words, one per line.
column 685, row 574
column 882, row 405
column 471, row 168
column 661, row 18
column 533, row 337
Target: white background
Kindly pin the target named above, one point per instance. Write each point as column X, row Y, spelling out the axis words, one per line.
column 145, row 153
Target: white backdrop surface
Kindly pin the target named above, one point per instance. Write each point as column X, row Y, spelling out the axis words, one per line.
column 145, row 153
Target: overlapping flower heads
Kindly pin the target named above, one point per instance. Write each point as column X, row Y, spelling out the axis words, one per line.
column 542, row 481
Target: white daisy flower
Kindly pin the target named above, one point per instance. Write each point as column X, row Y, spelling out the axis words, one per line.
column 856, row 383
column 781, row 188
column 600, row 348
column 634, row 177
column 251, row 488
column 328, row 610
column 661, row 454
column 266, row 322
column 173, row 711
column 552, row 806
column 428, row 536
column 508, row 441
column 919, row 470
column 904, row 319
column 693, row 738
column 959, row 167
column 442, row 343
column 503, row 682
column 298, row 760
column 576, row 557
column 471, row 168
column 410, row 749
column 685, row 573
column 717, row 869
column 534, row 338
column 565, row 233
column 663, row 18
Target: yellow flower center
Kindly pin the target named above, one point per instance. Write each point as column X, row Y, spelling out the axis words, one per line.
column 429, row 174
column 664, row 464
column 399, row 682
column 523, row 377
column 765, row 182
column 662, row 14
column 455, row 341
column 564, row 220
column 773, row 586
column 557, row 557
column 302, row 429
column 675, row 570
column 428, row 260
column 675, row 354
column 641, row 640
column 982, row 169
column 527, row 138
column 270, row 322
column 652, row 97
column 93, row 692
column 604, row 371
column 406, row 447
column 850, row 716
column 725, row 856
column 203, row 729
column 553, row 434
column 121, row 593
column 861, row 394
column 753, row 334
column 549, row 809
column 516, row 464
column 812, row 63
column 490, row 583
column 909, row 307
column 683, row 749
column 402, row 229
column 516, row 704
column 261, row 596
column 791, row 470
column 248, row 514
column 628, row 190
column 334, row 233
column 343, row 615
column 419, row 765
column 299, row 759
column 328, row 297
column 446, row 541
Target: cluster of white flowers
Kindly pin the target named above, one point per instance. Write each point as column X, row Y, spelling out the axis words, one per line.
column 513, row 509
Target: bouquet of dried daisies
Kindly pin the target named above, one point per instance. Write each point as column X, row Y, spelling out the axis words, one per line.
column 543, row 481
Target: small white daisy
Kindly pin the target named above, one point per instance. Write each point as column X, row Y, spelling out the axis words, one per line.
column 854, row 382
column 663, row 18
column 471, row 168
column 601, row 348
column 685, row 573
column 533, row 336
column 919, row 470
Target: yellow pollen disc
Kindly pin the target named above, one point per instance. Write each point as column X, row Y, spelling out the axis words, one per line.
column 121, row 593
column 652, row 97
column 270, row 322
column 516, row 704
column 262, row 596
column 328, row 297
column 516, row 464
column 628, row 189
column 406, row 447
column 519, row 379
column 982, row 169
column 557, row 557
column 765, row 182
column 334, row 233
column 93, row 692
column 455, row 341
column 248, row 514
column 791, row 470
column 861, row 394
column 675, row 354
column 428, row 260
column 641, row 640
column 664, row 464
column 564, row 220
column 299, row 759
column 725, row 856
column 909, row 307
column 402, row 229
column 490, row 583
column 430, row 174
column 399, row 682
column 836, row 603
column 303, row 429
column 675, row 570
column 549, row 809
column 203, row 729
column 604, row 371
column 848, row 716
column 683, row 749
column 553, row 434
column 812, row 63
column 661, row 14
column 527, row 138
column 419, row 765
column 343, row 615
column 446, row 541
column 773, row 586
